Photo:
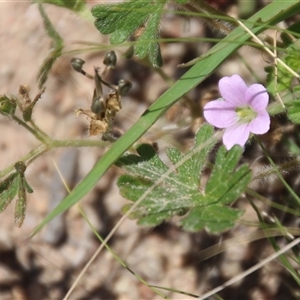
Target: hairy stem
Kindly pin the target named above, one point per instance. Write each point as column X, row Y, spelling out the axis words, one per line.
column 51, row 144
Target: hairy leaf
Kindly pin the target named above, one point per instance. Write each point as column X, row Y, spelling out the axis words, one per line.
column 180, row 190
column 122, row 20
column 10, row 187
column 20, row 208
column 8, row 190
column 294, row 112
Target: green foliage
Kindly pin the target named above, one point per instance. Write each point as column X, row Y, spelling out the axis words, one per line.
column 291, row 56
column 8, row 190
column 54, row 53
column 76, row 5
column 181, row 191
column 122, row 20
column 11, row 186
column 294, row 112
column 284, row 78
column 270, row 15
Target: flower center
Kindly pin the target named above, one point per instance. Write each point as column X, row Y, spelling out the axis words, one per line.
column 246, row 114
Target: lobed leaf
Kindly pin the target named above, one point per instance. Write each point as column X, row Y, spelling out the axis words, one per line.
column 122, row 20
column 214, row 218
column 294, row 112
column 177, row 191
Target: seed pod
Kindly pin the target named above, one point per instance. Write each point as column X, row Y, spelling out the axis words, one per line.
column 77, row 64
column 124, row 86
column 98, row 106
column 110, row 59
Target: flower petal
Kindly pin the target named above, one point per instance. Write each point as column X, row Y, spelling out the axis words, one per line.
column 220, row 114
column 257, row 97
column 233, row 90
column 237, row 134
column 261, row 124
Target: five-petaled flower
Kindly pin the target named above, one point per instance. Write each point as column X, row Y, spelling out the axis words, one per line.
column 241, row 110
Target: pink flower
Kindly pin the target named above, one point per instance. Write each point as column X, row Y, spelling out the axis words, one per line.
column 241, row 110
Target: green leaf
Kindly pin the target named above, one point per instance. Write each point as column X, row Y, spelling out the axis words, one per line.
column 8, row 190
column 291, row 57
column 180, row 191
column 54, row 53
column 10, row 187
column 270, row 15
column 4, row 184
column 214, row 218
column 20, row 208
column 76, row 5
column 121, row 20
column 225, row 185
column 294, row 112
column 226, row 182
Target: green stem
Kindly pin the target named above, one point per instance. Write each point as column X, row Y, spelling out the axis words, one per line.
column 44, row 137
column 36, row 131
column 26, row 126
column 33, row 154
column 78, row 143
column 52, row 144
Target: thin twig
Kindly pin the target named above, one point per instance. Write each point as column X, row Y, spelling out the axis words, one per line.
column 276, row 70
column 268, row 50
